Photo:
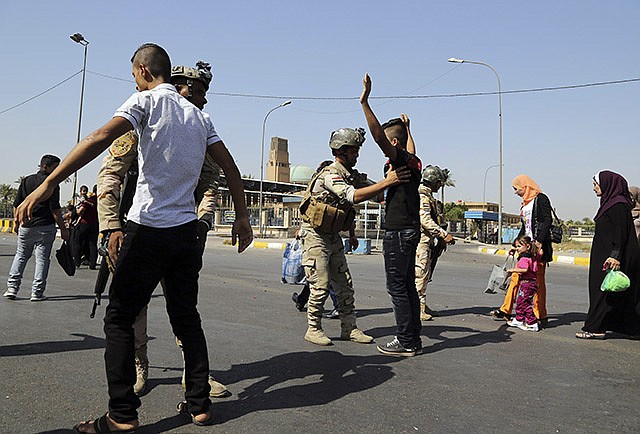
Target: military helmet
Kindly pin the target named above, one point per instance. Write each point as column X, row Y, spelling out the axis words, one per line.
column 346, row 137
column 202, row 73
column 433, row 174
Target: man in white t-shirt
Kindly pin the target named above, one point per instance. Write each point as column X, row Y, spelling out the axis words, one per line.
column 160, row 237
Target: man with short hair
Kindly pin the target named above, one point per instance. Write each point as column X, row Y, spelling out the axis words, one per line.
column 161, row 236
column 402, row 227
column 37, row 234
column 119, row 167
column 327, row 209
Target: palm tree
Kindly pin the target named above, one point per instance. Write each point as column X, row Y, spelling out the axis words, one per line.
column 7, row 196
column 448, row 181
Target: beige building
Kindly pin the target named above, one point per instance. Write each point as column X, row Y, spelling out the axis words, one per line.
column 278, row 164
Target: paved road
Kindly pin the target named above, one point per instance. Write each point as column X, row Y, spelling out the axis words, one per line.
column 475, row 375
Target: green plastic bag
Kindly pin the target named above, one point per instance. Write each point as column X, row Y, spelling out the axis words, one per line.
column 615, row 281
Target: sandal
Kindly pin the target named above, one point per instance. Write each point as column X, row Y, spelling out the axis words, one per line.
column 101, row 425
column 182, row 409
column 589, row 335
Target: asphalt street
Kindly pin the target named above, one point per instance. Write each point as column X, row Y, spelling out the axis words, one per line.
column 475, row 374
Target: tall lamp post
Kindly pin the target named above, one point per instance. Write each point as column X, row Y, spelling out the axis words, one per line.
column 454, row 60
column 78, row 38
column 484, row 188
column 264, row 123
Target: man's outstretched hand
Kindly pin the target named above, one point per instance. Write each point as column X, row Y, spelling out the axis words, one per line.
column 40, row 194
column 242, row 233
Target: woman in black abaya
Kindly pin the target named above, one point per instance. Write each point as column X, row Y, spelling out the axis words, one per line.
column 614, row 246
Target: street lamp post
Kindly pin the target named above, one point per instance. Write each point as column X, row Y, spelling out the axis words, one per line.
column 264, row 123
column 484, row 188
column 454, row 60
column 78, row 38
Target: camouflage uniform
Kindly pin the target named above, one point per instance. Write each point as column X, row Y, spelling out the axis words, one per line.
column 429, row 230
column 122, row 156
column 323, row 258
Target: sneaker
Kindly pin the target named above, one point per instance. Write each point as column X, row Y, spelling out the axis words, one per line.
column 38, row 297
column 334, row 314
column 317, row 336
column 498, row 314
column 514, row 323
column 9, row 295
column 529, row 327
column 395, row 348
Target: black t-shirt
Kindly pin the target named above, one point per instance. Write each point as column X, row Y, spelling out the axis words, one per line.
column 42, row 213
column 403, row 201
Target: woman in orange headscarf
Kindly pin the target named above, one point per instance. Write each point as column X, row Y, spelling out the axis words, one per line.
column 535, row 214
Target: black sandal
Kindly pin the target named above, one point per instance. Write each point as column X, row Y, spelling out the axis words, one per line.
column 590, row 335
column 100, row 425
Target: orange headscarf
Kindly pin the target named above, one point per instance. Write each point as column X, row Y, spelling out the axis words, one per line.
column 531, row 189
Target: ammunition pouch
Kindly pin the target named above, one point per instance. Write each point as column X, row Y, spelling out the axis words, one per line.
column 325, row 217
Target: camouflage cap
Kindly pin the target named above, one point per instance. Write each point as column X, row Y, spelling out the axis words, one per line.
column 346, row 137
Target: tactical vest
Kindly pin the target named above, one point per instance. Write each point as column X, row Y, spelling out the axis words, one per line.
column 325, row 211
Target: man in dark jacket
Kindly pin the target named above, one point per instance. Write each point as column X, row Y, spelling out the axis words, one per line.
column 37, row 234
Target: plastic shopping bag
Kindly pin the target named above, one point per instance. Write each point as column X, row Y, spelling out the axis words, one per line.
column 615, row 281
column 292, row 270
column 499, row 278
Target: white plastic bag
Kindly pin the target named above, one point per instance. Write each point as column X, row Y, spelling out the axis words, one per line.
column 292, row 270
column 499, row 278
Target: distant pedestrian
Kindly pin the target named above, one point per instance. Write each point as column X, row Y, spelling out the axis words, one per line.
column 614, row 247
column 635, row 211
column 527, row 269
column 37, row 233
column 87, row 229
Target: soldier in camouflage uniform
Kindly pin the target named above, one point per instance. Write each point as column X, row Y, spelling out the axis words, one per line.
column 119, row 168
column 327, row 209
column 430, row 233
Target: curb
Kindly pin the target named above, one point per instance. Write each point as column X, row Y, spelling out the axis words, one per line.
column 561, row 259
column 261, row 245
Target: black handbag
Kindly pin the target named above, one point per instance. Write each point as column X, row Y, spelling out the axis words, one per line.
column 555, row 231
column 65, row 259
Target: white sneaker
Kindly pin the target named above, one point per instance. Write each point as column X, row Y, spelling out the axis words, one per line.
column 529, row 327
column 514, row 323
column 9, row 295
column 38, row 297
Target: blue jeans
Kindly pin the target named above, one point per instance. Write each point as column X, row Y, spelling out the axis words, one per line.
column 399, row 249
column 38, row 239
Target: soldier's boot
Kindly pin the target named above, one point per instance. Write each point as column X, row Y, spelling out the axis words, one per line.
column 142, row 372
column 350, row 332
column 317, row 336
column 424, row 316
column 217, row 389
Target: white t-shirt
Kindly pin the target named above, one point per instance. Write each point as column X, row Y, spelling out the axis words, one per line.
column 526, row 212
column 174, row 136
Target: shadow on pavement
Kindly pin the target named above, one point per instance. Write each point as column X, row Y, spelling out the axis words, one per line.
column 86, row 343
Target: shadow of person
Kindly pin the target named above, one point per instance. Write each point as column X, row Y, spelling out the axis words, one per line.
column 361, row 313
column 86, row 343
column 567, row 318
column 298, row 379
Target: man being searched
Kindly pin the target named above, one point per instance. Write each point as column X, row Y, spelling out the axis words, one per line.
column 37, row 233
column 120, row 168
column 432, row 235
column 327, row 209
column 161, row 233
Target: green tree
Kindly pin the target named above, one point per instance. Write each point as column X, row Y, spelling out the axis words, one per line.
column 448, row 182
column 7, row 196
column 454, row 212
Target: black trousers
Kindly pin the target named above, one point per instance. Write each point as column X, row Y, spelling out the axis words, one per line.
column 399, row 250
column 148, row 255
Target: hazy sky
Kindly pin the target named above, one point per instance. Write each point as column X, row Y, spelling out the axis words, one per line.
column 321, row 50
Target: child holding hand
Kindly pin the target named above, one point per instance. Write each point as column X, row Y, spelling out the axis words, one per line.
column 527, row 267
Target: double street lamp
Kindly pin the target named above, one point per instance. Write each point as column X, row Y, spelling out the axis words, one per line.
column 264, row 123
column 78, row 38
column 455, row 60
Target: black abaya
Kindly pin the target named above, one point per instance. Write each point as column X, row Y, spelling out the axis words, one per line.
column 614, row 237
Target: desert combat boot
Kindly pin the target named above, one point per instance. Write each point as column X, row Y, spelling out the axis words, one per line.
column 317, row 336
column 355, row 335
column 142, row 372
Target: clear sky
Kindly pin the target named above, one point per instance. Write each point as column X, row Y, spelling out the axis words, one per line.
column 322, row 49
